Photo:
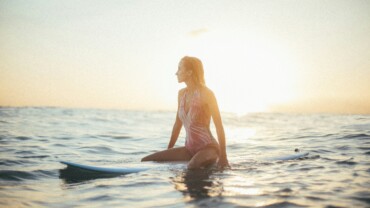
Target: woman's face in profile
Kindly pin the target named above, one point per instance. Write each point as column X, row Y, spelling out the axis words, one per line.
column 182, row 74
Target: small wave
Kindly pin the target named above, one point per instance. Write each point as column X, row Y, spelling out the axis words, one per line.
column 115, row 137
column 328, row 159
column 60, row 145
column 14, row 175
column 333, row 206
column 65, row 138
column 99, row 149
column 312, row 157
column 283, row 204
column 121, row 137
column 314, row 198
column 99, row 198
column 362, row 196
column 314, row 136
column 309, row 168
column 36, row 156
column 284, row 192
column 344, row 147
column 322, row 151
column 24, row 152
column 346, row 162
column 10, row 175
column 8, row 162
column 23, row 138
column 364, row 199
column 356, row 136
column 145, row 183
column 364, row 148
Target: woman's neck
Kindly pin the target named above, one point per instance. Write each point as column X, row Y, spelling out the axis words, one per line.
column 191, row 86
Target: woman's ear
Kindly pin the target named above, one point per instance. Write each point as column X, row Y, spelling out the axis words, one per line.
column 190, row 72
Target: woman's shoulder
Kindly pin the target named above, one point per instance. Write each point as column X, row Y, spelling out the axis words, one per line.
column 206, row 91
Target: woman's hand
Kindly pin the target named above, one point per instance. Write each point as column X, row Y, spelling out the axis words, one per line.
column 223, row 163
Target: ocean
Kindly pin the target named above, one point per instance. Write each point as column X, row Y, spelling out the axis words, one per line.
column 33, row 140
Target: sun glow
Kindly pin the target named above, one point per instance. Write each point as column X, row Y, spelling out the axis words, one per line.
column 247, row 74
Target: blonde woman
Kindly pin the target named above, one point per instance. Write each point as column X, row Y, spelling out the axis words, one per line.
column 196, row 106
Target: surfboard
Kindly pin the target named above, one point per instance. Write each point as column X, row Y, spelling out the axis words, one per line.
column 128, row 170
column 105, row 170
column 290, row 157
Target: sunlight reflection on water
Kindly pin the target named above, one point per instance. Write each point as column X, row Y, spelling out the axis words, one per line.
column 34, row 140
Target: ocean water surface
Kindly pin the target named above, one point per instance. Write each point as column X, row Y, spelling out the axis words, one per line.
column 336, row 173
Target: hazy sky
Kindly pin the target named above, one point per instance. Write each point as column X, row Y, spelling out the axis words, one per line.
column 288, row 55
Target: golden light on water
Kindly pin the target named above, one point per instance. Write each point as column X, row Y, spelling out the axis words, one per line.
column 237, row 191
column 240, row 135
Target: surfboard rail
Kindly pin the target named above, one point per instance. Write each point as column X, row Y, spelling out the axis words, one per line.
column 107, row 170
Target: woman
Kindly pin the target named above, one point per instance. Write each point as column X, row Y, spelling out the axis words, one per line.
column 196, row 105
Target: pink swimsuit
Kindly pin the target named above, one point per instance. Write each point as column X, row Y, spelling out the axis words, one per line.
column 198, row 135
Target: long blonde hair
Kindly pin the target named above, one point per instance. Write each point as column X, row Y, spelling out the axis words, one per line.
column 194, row 64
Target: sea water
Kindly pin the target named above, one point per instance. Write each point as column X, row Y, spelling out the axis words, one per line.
column 336, row 173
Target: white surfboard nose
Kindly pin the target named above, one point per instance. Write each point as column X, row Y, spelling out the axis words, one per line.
column 290, row 157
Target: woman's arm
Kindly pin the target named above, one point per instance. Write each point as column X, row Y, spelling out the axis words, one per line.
column 178, row 124
column 216, row 116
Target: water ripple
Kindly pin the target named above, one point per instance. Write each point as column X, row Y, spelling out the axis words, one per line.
column 356, row 136
column 347, row 162
column 23, row 138
column 34, row 140
column 13, row 175
column 283, row 204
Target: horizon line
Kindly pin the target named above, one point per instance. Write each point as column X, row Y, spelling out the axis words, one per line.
column 173, row 110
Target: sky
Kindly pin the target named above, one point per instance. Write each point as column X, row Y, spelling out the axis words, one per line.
column 303, row 56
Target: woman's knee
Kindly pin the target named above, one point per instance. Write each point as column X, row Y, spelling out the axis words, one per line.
column 203, row 158
column 146, row 158
column 152, row 157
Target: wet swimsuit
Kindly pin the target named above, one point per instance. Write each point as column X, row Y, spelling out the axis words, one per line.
column 198, row 135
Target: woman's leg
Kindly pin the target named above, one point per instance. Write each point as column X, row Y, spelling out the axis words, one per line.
column 203, row 158
column 173, row 154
